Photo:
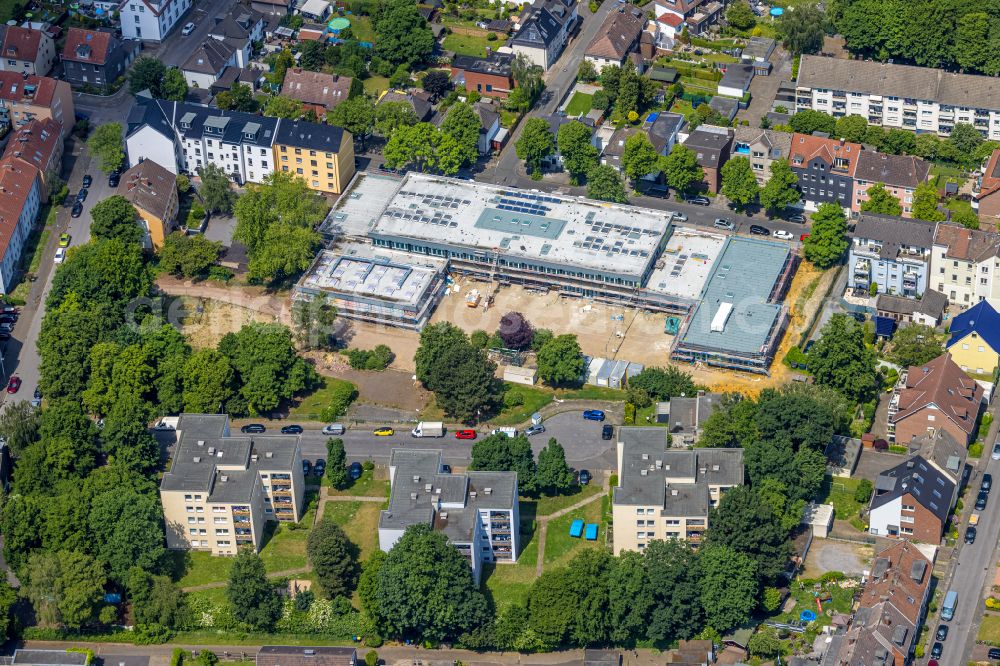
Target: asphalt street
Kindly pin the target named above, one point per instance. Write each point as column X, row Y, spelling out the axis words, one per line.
column 176, row 48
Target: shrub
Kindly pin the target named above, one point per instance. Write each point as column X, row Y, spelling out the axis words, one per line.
column 341, row 398
column 832, row 576
column 492, row 37
column 177, row 657
column 377, row 359
column 368, row 465
column 513, row 399
column 373, row 640
column 863, row 492
column 629, row 413
column 371, row 659
column 976, row 450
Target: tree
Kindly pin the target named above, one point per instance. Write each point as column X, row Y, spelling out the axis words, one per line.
column 578, row 154
column 424, row 589
column 604, row 183
column 253, row 599
column 765, row 643
column 147, row 74
column 639, row 157
column 19, row 425
column 105, row 143
column 965, row 138
column 680, row 168
column 852, row 128
column 781, row 189
column 841, row 359
column 8, row 597
column 827, row 240
column 435, row 339
column 463, row 381
column 728, row 582
column 208, row 382
column 515, row 331
column 313, row 321
column 880, row 201
column 334, row 558
column 287, row 250
column 801, row 29
column 500, row 453
column 554, row 477
column 336, row 463
column 115, row 217
column 740, row 17
column 188, row 256
column 925, row 203
column 560, row 361
column 174, row 87
column 391, row 116
column 127, row 529
column 748, row 525
column 739, row 184
column 587, row 73
column 356, row 115
column 437, row 82
column 239, row 97
column 915, row 344
column 463, row 125
column 106, row 273
column 125, row 439
column 64, row 588
column 268, row 369
column 809, row 121
column 671, row 567
column 899, row 142
column 663, row 383
column 283, row 107
column 417, row 145
column 732, row 425
column 966, row 217
column 528, row 77
column 535, row 144
column 281, row 198
column 156, row 600
column 402, row 35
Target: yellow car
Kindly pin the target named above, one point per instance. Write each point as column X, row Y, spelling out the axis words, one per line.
column 64, row 240
column 383, row 432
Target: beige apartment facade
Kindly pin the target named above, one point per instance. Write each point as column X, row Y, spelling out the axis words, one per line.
column 667, row 493
column 222, row 489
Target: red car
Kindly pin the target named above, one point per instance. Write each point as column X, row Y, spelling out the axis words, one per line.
column 803, row 237
column 14, row 384
column 465, row 434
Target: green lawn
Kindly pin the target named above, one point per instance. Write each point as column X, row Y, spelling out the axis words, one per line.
column 366, row 486
column 361, row 28
column 943, row 173
column 471, row 45
column 286, row 549
column 588, row 392
column 311, row 406
column 533, row 400
column 375, row 85
column 840, row 493
column 805, row 592
column 719, row 57
column 580, row 104
column 202, row 568
column 549, row 505
column 560, row 546
column 360, row 523
column 681, row 106
column 510, row 583
column 989, row 630
column 7, row 9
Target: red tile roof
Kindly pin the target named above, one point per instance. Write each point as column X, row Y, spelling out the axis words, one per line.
column 673, row 20
column 967, row 244
column 17, row 178
column 15, row 87
column 36, row 143
column 805, row 147
column 88, row 46
column 941, row 383
column 326, row 90
column 21, row 43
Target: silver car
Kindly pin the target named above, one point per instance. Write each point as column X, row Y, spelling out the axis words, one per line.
column 334, row 429
column 996, row 451
column 534, row 430
column 722, row 223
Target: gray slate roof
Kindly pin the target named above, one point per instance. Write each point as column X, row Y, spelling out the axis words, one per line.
column 708, row 142
column 931, row 303
column 897, row 170
column 778, row 144
column 919, row 478
column 904, row 81
column 209, row 58
column 894, row 232
column 543, row 25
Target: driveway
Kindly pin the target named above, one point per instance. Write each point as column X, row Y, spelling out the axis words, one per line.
column 763, row 89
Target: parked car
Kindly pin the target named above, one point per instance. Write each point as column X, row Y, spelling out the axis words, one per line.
column 534, row 430
column 60, row 255
column 981, row 500
column 291, row 430
column 334, row 429
column 4, row 335
column 782, row 234
column 803, row 238
column 986, row 483
column 996, row 451
column 113, row 179
column 7, row 319
column 942, row 632
column 796, row 217
column 319, row 468
column 445, row 468
column 859, row 317
column 14, row 385
column 698, row 201
column 81, row 196
column 10, row 310
column 936, row 650
column 970, row 535
column 383, row 432
column 64, row 240
column 994, row 653
column 188, row 29
column 77, row 210
column 354, row 471
column 465, row 434
column 36, row 398
column 722, row 223
column 253, row 429
column 585, row 477
column 758, row 230
column 607, row 432
column 87, row 181
column 306, row 467
column 593, row 415
column 679, row 217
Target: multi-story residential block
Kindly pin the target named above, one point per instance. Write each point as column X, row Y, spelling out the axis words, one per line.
column 319, row 92
column 911, row 501
column 899, row 173
column 240, row 29
column 825, row 169
column 986, row 187
column 322, row 155
column 25, row 98
column 490, row 76
column 685, row 416
column 20, row 200
column 544, row 31
column 762, row 147
column 617, row 37
column 237, row 482
column 892, row 253
column 151, row 20
column 665, row 493
column 943, row 452
column 208, row 61
column 711, row 146
column 965, row 265
column 26, row 51
column 899, row 96
column 885, row 630
column 975, row 339
column 695, row 15
column 932, row 397
column 476, row 511
column 39, row 143
column 152, row 190
column 96, row 58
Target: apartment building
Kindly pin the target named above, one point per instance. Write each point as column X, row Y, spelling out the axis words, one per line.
column 986, row 187
column 911, row 501
column 934, row 396
column 927, row 310
column 965, row 265
column 617, row 37
column 39, row 143
column 20, row 200
column 900, row 174
column 891, row 253
column 240, row 29
column 665, row 493
column 476, row 511
column 825, row 169
column 238, row 481
column 206, row 63
column 26, row 51
column 151, row 20
column 490, row 76
column 711, row 146
column 96, row 58
column 891, row 607
column 975, row 339
column 899, row 96
column 544, row 31
column 318, row 91
column 322, row 155
column 152, row 191
column 695, row 15
column 762, row 147
column 25, row 98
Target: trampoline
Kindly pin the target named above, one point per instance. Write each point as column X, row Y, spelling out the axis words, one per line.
column 576, row 529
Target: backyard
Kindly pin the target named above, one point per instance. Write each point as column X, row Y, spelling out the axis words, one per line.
column 840, row 493
column 580, row 104
column 471, row 45
column 367, row 486
column 310, row 408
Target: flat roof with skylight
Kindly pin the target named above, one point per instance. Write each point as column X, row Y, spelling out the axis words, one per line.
column 357, row 209
column 685, row 263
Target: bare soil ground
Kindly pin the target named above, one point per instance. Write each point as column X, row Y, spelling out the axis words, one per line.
column 207, row 321
column 826, row 555
column 389, row 388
